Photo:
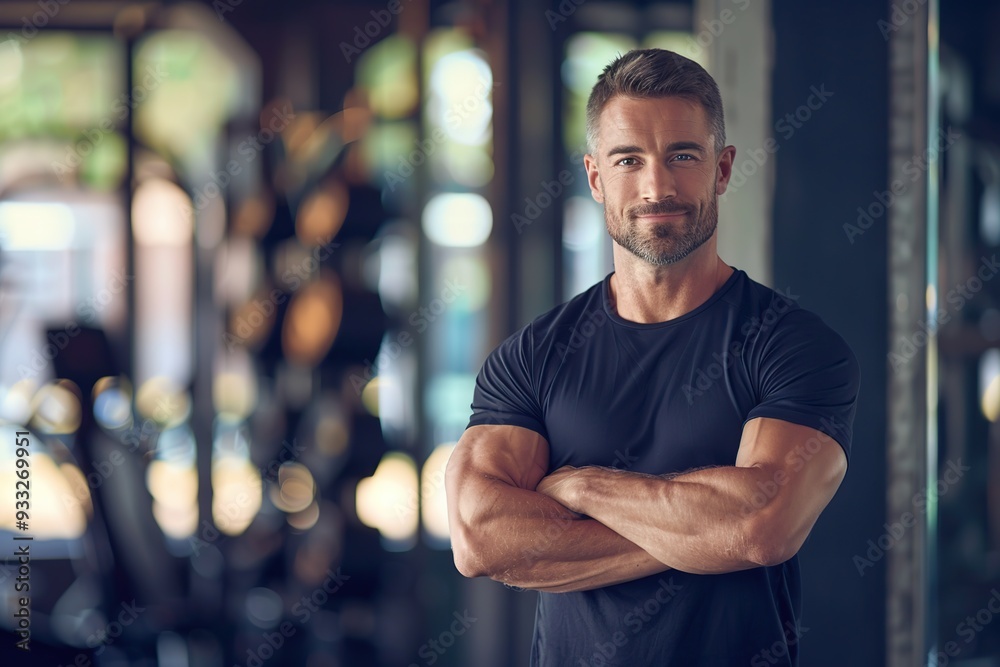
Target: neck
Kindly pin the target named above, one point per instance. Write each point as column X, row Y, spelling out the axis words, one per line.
column 649, row 294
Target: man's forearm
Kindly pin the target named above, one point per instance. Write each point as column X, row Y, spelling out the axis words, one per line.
column 719, row 519
column 529, row 540
column 700, row 522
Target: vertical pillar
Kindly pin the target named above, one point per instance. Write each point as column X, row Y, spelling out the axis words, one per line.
column 831, row 164
column 736, row 38
column 911, row 455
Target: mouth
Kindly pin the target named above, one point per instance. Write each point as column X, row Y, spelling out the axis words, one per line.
column 661, row 217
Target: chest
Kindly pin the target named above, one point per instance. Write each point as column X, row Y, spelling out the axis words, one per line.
column 654, row 407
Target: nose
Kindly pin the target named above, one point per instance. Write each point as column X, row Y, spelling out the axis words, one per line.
column 658, row 183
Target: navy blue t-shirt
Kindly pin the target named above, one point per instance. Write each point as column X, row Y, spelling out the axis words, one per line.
column 661, row 398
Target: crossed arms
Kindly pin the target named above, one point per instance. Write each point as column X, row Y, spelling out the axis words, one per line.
column 584, row 528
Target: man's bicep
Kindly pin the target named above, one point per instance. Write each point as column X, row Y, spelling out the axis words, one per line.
column 801, row 470
column 512, row 454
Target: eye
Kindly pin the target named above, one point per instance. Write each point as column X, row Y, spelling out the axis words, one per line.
column 623, row 161
column 685, row 155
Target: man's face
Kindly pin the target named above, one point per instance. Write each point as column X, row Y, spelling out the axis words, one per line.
column 657, row 174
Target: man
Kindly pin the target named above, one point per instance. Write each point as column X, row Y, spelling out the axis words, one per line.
column 652, row 454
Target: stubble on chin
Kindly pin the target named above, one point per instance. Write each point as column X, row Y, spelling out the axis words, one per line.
column 661, row 244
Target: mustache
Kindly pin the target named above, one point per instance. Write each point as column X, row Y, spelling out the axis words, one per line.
column 659, row 208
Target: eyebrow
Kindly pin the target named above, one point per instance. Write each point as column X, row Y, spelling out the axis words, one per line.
column 675, row 146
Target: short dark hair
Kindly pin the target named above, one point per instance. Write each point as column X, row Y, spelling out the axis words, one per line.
column 652, row 73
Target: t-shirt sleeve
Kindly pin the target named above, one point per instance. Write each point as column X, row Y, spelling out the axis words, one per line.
column 808, row 375
column 505, row 392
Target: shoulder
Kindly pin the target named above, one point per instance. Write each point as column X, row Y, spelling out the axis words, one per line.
column 757, row 302
column 776, row 329
column 801, row 369
column 509, row 384
column 767, row 312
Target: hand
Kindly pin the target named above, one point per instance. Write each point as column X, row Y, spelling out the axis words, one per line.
column 563, row 486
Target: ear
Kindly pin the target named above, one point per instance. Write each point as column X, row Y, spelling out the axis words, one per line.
column 593, row 178
column 724, row 169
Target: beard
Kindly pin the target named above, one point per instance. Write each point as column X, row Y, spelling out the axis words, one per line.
column 663, row 243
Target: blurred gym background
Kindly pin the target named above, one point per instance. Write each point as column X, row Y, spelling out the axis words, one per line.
column 252, row 255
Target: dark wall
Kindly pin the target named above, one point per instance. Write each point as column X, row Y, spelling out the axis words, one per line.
column 832, row 165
